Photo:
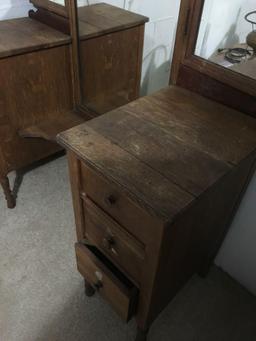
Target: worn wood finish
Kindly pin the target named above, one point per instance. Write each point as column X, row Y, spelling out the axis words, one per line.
column 217, row 82
column 119, row 245
column 100, row 19
column 37, row 100
column 170, row 169
column 145, row 134
column 16, row 37
column 76, row 184
column 11, row 202
column 110, row 283
column 123, row 209
column 114, row 85
column 211, row 88
column 104, row 31
column 35, row 87
column 34, row 102
column 159, row 196
column 51, row 19
column 187, row 119
column 48, row 129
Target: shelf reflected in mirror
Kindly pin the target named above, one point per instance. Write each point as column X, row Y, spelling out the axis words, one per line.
column 227, row 35
column 110, row 54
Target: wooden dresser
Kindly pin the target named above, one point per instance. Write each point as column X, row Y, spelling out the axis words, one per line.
column 36, row 86
column 155, row 186
column 37, row 90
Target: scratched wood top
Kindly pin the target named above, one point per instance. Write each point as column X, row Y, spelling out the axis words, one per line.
column 167, row 148
column 103, row 18
column 23, row 35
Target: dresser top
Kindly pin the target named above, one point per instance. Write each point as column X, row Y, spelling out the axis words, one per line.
column 166, row 149
column 23, row 35
column 99, row 19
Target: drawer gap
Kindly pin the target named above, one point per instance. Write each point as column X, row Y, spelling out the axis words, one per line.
column 86, row 196
column 117, row 273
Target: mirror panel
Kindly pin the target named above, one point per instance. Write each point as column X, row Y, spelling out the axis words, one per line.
column 59, row 2
column 227, row 35
column 110, row 50
column 59, row 7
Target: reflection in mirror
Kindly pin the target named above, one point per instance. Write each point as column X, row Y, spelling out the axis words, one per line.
column 227, row 35
column 59, row 2
column 110, row 50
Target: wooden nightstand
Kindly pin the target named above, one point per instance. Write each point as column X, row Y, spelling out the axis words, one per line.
column 155, row 185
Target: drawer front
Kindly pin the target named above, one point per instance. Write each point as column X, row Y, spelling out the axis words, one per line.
column 109, row 197
column 123, row 249
column 111, row 284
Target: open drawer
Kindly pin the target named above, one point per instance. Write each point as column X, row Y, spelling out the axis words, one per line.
column 110, row 282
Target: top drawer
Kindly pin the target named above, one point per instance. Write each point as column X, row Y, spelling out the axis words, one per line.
column 110, row 198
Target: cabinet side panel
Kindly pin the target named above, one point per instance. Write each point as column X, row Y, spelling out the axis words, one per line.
column 191, row 243
column 34, row 87
column 74, row 165
column 111, row 69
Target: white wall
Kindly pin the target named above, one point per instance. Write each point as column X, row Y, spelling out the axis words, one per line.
column 238, row 253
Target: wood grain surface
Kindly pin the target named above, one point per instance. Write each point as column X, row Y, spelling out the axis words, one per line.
column 24, row 35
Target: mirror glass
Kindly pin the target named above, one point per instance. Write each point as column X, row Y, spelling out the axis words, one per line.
column 227, row 35
column 59, row 2
column 110, row 44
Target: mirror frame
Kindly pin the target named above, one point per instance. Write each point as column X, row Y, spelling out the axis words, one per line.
column 53, row 7
column 75, row 56
column 76, row 63
column 184, row 53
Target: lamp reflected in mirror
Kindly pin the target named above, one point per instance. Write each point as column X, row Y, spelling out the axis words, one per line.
column 227, row 35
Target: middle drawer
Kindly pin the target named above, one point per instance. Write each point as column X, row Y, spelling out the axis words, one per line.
column 113, row 240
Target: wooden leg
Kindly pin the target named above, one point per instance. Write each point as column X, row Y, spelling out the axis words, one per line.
column 11, row 202
column 141, row 334
column 89, row 290
column 17, row 183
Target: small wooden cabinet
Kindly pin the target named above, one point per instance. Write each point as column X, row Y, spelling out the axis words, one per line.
column 155, row 185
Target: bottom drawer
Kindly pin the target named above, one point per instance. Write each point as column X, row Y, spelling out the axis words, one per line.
column 107, row 279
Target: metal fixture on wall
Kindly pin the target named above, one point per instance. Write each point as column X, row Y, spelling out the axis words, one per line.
column 251, row 38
